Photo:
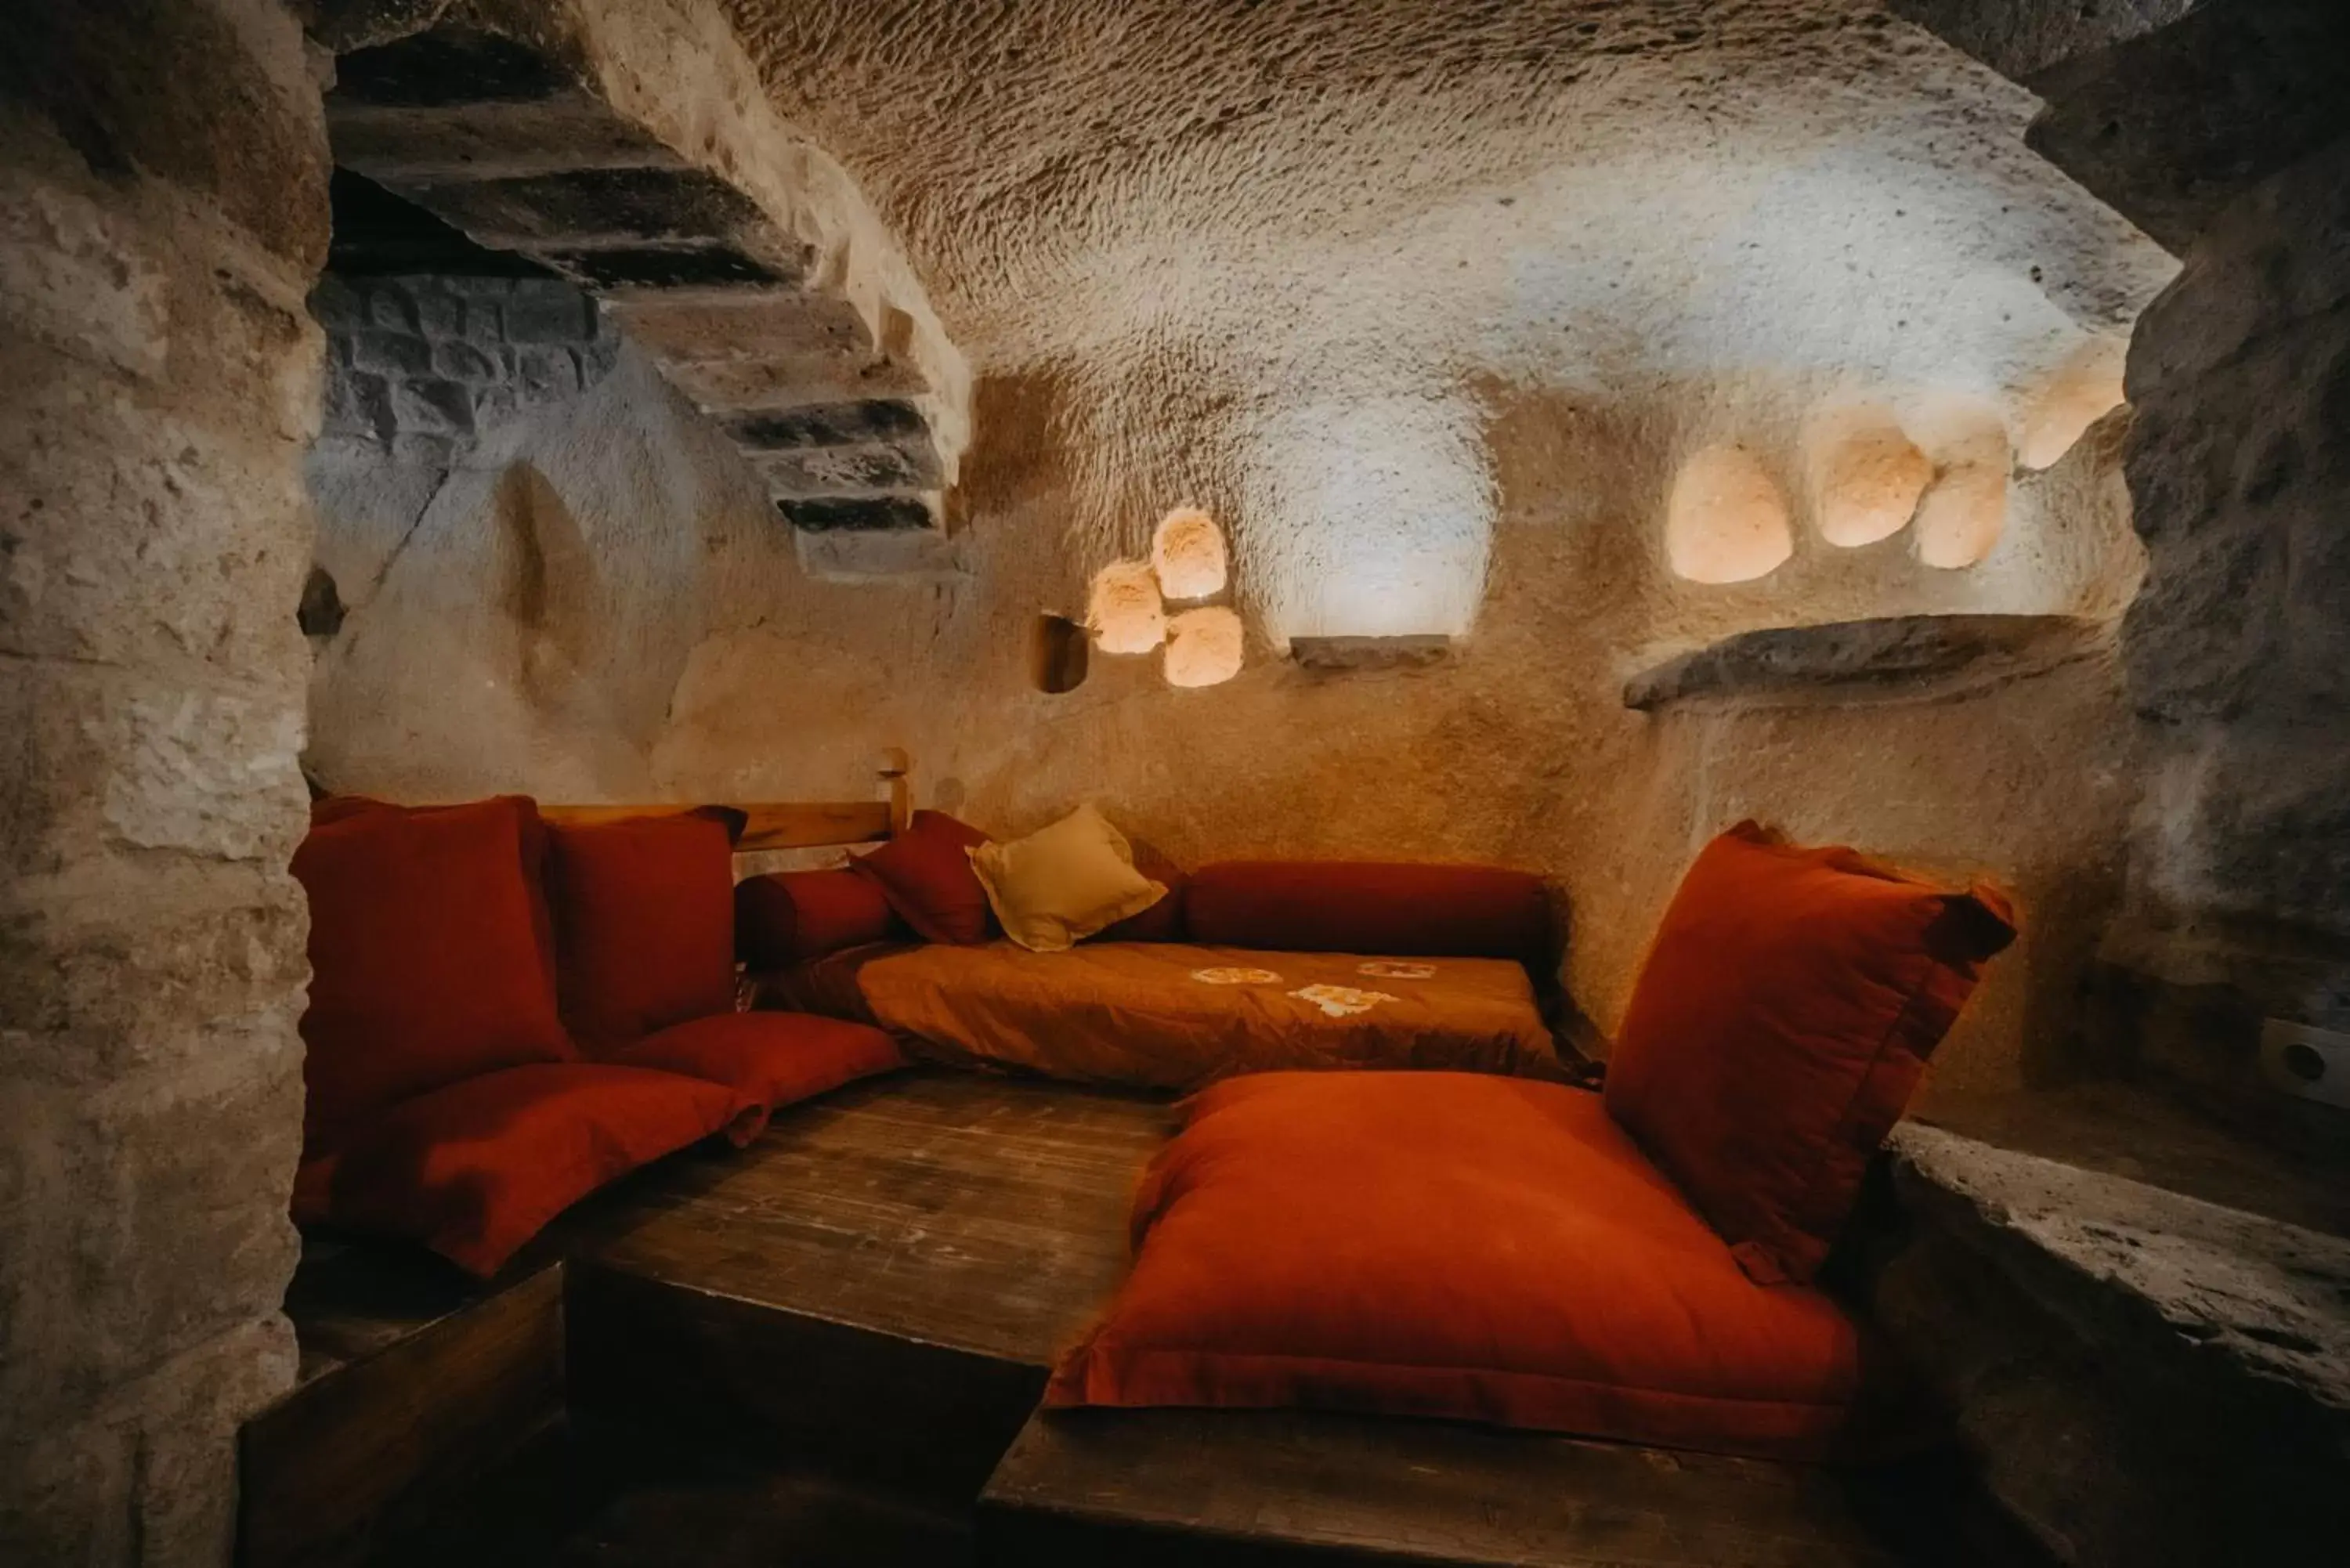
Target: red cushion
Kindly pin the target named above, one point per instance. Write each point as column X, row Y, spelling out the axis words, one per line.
column 1452, row 1245
column 532, row 829
column 425, row 964
column 792, row 917
column 644, row 923
column 768, row 1059
column 1784, row 1014
column 474, row 1169
column 1362, row 907
column 925, row 873
column 1163, row 921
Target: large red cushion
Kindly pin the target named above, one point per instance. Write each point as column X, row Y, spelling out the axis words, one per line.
column 1784, row 1014
column 426, row 962
column 768, row 1059
column 1458, row 1245
column 530, row 827
column 925, row 873
column 791, row 917
column 474, row 1169
column 1365, row 907
column 644, row 924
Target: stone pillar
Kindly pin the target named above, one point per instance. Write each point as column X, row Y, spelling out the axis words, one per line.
column 162, row 212
column 2237, row 648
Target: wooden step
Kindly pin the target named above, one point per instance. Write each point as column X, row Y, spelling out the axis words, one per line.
column 881, row 1286
column 1241, row 1488
column 411, row 1385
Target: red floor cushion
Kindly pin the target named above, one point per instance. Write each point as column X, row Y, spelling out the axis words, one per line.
column 644, row 924
column 792, row 916
column 1783, row 1017
column 474, row 1169
column 925, row 873
column 427, row 958
column 768, row 1059
column 1452, row 1245
column 1365, row 907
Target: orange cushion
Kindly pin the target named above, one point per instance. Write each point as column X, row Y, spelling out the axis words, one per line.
column 427, row 963
column 474, row 1169
column 769, row 1059
column 1366, row 907
column 791, row 917
column 644, row 924
column 1452, row 1245
column 1783, row 1019
column 925, row 873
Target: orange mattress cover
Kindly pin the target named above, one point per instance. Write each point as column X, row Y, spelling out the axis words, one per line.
column 1173, row 1016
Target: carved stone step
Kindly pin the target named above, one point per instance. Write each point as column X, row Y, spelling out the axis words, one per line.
column 781, row 381
column 849, row 471
column 512, row 150
column 868, row 515
column 745, row 326
column 825, row 424
column 579, row 207
column 570, row 131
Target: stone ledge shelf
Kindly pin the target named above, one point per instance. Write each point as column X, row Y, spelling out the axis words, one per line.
column 1907, row 655
column 2144, row 1379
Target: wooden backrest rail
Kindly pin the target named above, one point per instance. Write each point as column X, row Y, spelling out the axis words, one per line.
column 784, row 824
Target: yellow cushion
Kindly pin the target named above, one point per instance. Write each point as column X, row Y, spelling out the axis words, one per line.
column 1063, row 882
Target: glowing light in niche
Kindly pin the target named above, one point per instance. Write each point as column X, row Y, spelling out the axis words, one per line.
column 1371, row 517
column 1866, row 475
column 1963, row 515
column 1204, row 647
column 1187, row 553
column 1123, row 611
column 2079, row 392
column 1726, row 520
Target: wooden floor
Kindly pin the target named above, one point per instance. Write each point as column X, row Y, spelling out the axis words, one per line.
column 873, row 1295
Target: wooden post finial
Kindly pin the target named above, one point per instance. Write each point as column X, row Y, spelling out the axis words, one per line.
column 894, row 769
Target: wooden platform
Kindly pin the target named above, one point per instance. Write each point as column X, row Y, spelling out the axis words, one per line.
column 881, row 1287
column 1177, row 1486
column 875, row 1293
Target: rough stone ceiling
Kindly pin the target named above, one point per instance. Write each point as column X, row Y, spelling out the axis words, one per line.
column 1312, row 227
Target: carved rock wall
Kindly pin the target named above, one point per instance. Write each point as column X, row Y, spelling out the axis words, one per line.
column 601, row 605
column 2238, row 649
column 163, row 212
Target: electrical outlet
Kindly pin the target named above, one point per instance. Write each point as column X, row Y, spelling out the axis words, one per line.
column 2304, row 1060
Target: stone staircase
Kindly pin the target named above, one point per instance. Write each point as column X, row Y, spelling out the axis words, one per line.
column 523, row 155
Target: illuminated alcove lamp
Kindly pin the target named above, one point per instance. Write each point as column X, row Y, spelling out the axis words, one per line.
column 1726, row 520
column 1962, row 515
column 1124, row 610
column 1866, row 477
column 2079, row 392
column 1187, row 553
column 1203, row 647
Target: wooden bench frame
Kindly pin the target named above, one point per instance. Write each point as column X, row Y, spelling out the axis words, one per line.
column 784, row 824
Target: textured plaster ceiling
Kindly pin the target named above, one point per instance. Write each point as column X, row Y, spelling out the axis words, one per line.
column 1266, row 252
